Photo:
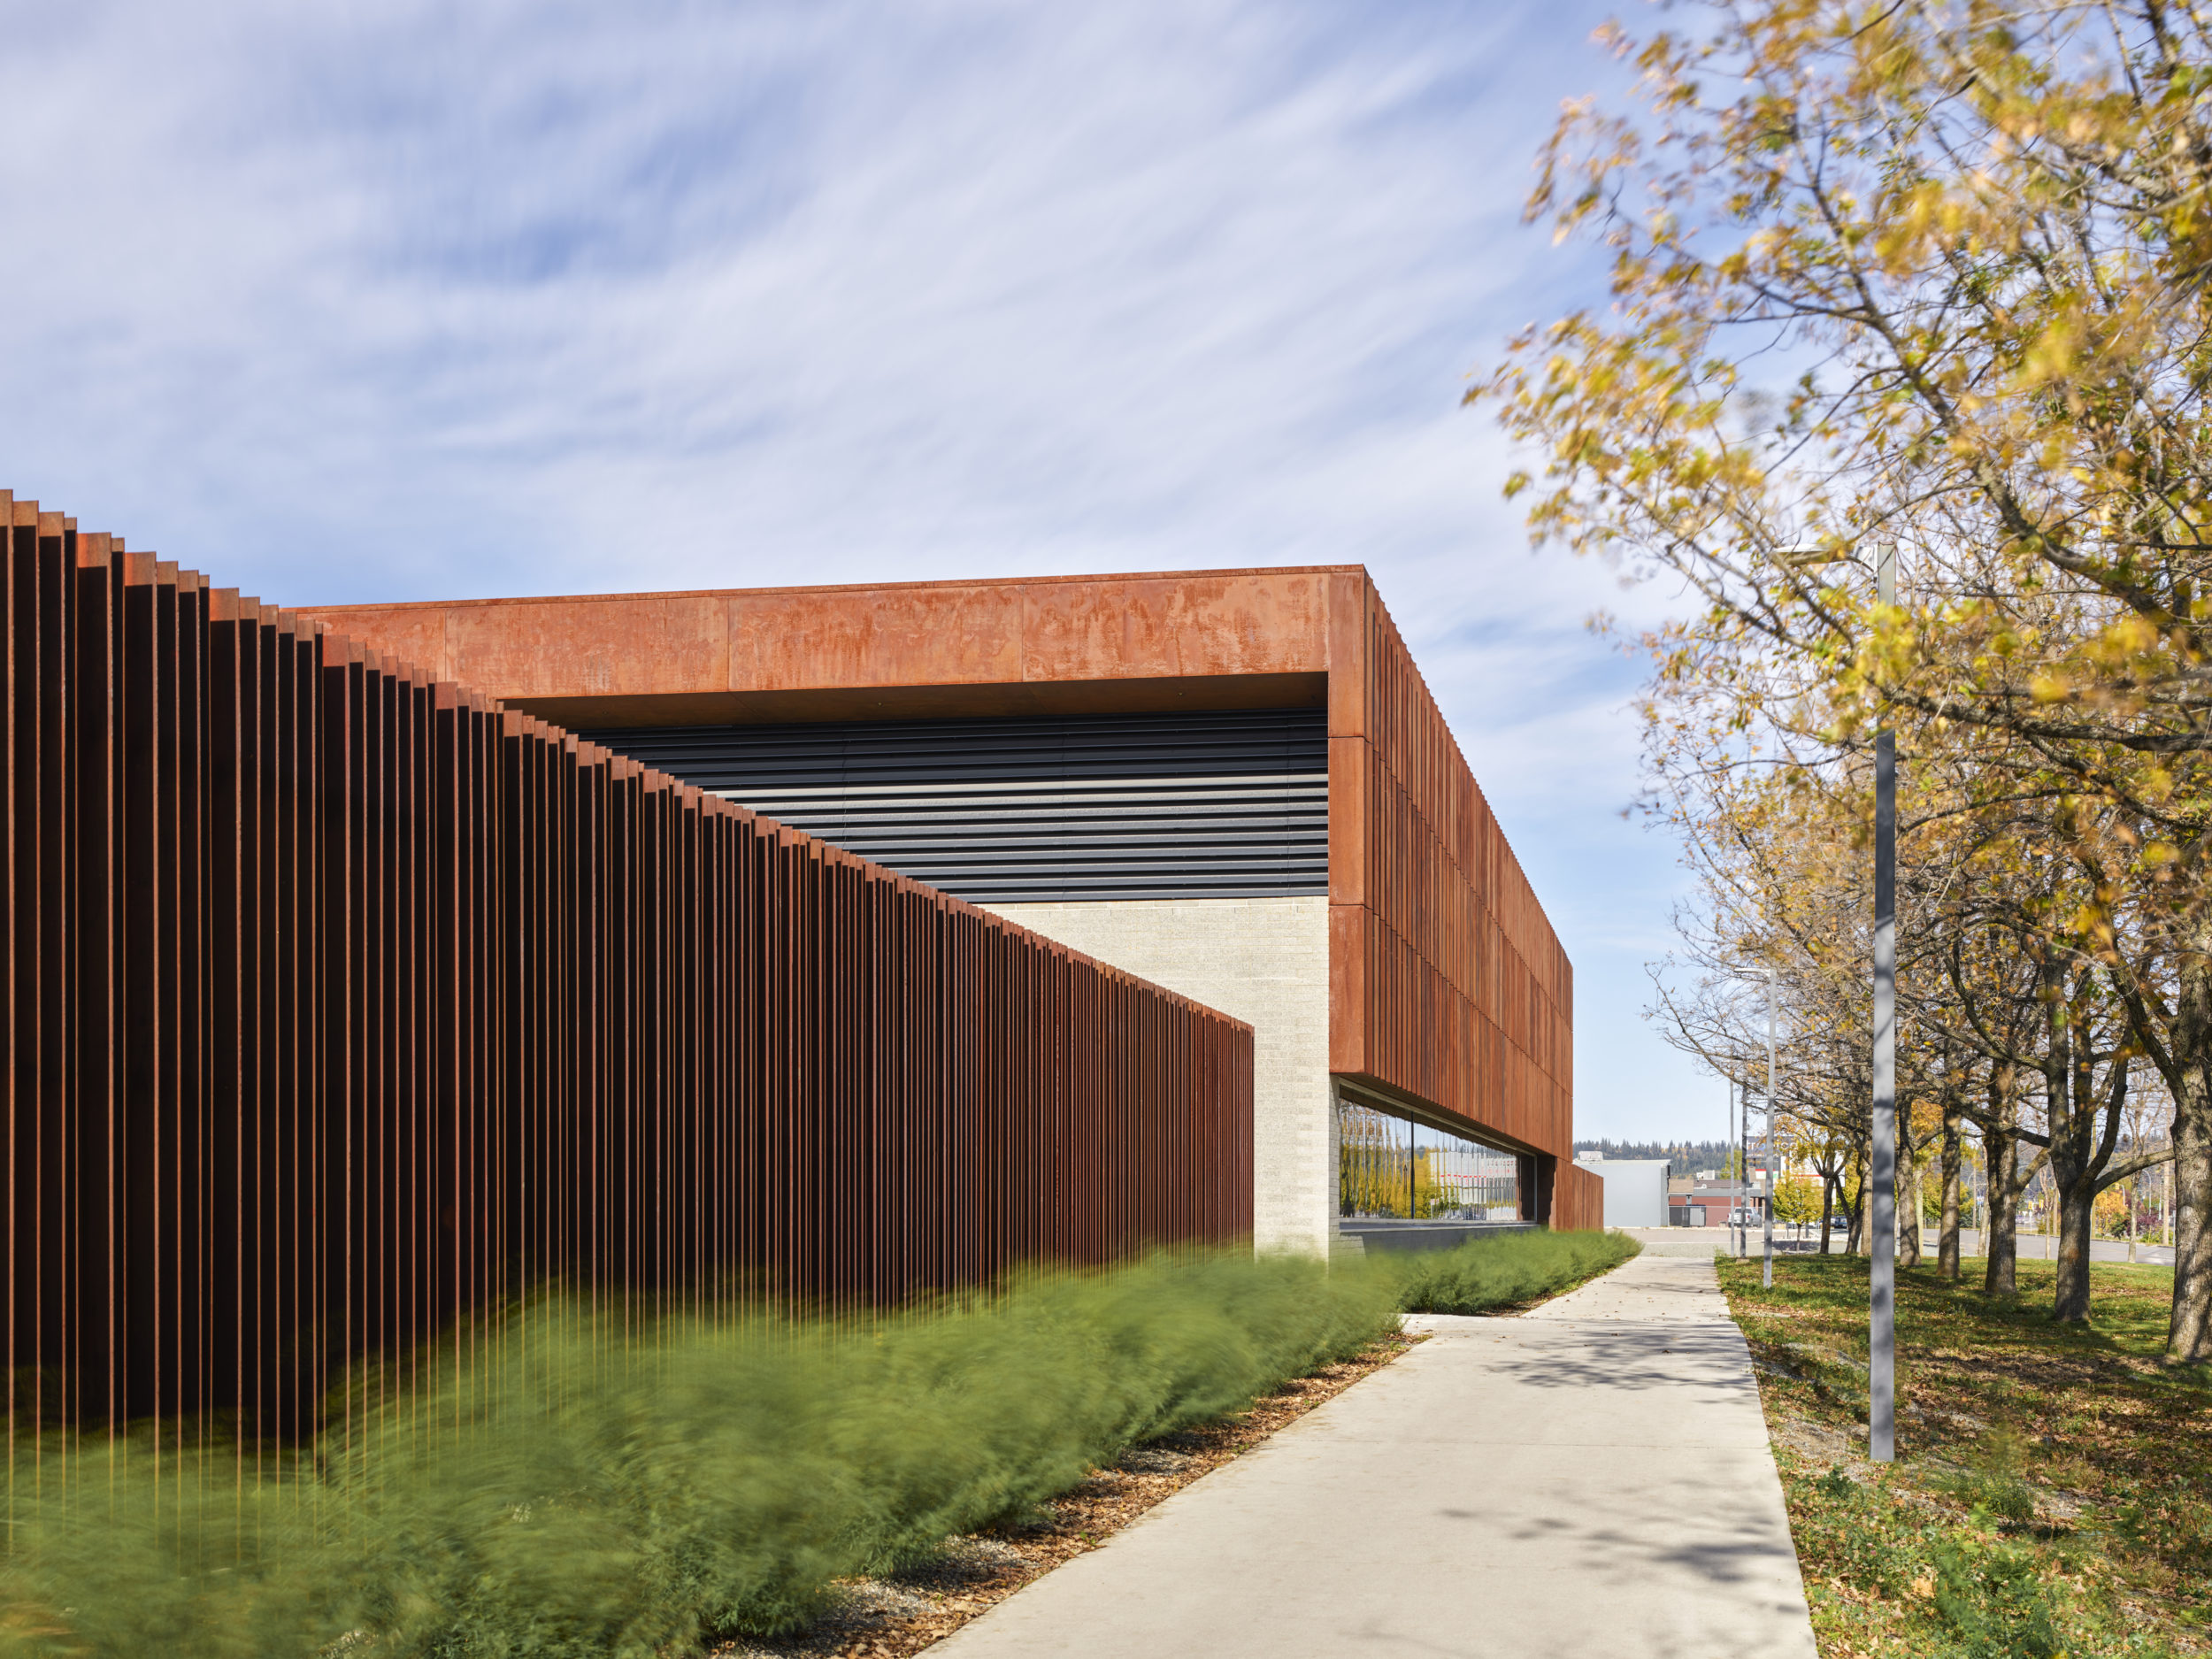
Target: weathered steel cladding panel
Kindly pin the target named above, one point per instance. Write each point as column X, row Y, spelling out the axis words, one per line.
column 1579, row 1197
column 759, row 643
column 1448, row 983
column 1445, row 980
column 341, row 1001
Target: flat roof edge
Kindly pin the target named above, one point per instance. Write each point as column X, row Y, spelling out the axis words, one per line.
column 840, row 588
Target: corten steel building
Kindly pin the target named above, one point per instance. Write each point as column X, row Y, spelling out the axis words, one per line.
column 1233, row 783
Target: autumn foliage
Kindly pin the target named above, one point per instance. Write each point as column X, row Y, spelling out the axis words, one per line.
column 1933, row 276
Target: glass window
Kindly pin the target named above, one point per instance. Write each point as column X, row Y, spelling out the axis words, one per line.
column 1391, row 1168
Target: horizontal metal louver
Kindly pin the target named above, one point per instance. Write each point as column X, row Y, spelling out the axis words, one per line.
column 1230, row 804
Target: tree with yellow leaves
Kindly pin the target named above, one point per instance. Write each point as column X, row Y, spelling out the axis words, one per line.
column 2003, row 986
column 1979, row 236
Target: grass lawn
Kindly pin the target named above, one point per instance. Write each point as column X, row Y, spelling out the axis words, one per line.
column 2052, row 1492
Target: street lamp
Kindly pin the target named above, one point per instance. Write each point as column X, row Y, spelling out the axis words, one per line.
column 1735, row 1090
column 1743, row 1169
column 1768, row 1161
column 1881, row 1417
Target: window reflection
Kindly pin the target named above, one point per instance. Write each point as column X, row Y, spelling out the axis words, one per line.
column 1390, row 1168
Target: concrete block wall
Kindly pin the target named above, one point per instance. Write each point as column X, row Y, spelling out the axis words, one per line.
column 1266, row 961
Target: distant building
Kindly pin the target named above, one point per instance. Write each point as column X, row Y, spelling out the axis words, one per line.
column 1708, row 1204
column 1635, row 1188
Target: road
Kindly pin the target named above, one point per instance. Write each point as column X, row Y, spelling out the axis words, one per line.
column 2034, row 1247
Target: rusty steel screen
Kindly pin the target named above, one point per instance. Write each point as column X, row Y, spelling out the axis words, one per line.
column 339, row 1003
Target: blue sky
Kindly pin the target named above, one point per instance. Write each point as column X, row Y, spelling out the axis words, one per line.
column 410, row 301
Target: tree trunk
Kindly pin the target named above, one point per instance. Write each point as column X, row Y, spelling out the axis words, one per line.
column 2067, row 1119
column 1854, row 1241
column 2001, row 1153
column 1948, row 1240
column 1827, row 1209
column 1909, row 1209
column 2075, row 1201
column 2189, row 1334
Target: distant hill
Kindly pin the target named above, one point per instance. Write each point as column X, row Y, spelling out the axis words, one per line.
column 1684, row 1157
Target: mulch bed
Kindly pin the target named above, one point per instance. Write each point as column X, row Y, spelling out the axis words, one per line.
column 892, row 1618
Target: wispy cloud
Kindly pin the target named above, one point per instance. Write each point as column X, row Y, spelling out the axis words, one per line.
column 417, row 299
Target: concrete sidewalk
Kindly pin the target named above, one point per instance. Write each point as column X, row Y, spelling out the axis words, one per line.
column 1589, row 1481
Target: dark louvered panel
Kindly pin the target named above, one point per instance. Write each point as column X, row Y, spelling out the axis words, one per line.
column 1222, row 805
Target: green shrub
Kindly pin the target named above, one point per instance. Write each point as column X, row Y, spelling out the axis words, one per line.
column 611, row 1490
column 1994, row 1598
column 1994, row 1482
column 608, row 1495
column 1496, row 1273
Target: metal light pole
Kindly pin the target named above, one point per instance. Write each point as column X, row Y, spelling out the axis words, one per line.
column 1743, row 1175
column 1769, row 1160
column 1881, row 1418
column 1731, row 1140
column 1881, row 1421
